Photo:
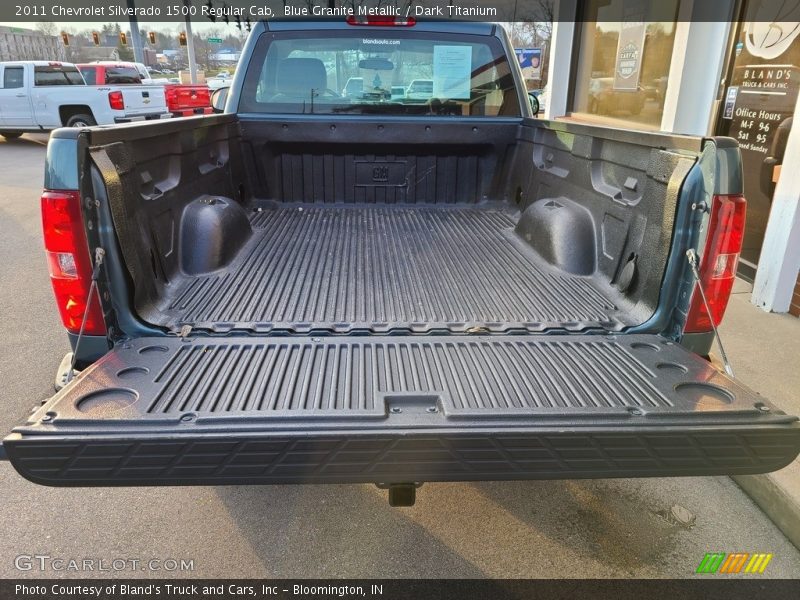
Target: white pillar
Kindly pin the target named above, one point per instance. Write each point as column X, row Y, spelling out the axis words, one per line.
column 780, row 254
column 695, row 72
column 561, row 43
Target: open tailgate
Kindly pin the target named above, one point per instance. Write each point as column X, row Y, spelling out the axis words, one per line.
column 222, row 410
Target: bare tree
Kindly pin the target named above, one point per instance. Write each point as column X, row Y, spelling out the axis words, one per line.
column 47, row 28
column 204, row 49
column 533, row 28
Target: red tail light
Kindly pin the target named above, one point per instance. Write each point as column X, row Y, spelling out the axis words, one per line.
column 719, row 260
column 116, row 101
column 381, row 21
column 69, row 262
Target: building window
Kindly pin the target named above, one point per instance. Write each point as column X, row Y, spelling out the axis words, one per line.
column 624, row 55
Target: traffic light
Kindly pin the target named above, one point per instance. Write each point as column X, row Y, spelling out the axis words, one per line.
column 65, row 38
column 238, row 22
column 211, row 16
column 152, row 36
column 247, row 23
column 123, row 38
column 182, row 38
column 96, row 38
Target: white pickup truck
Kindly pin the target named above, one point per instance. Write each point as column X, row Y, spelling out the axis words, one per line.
column 41, row 96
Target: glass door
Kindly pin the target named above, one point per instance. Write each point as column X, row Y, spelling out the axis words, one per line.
column 757, row 108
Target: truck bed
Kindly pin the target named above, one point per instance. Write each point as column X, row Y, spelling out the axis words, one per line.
column 378, row 268
column 260, row 226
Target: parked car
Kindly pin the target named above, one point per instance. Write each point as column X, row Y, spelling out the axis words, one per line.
column 110, row 73
column 311, row 288
column 221, row 80
column 353, row 88
column 110, row 70
column 186, row 100
column 605, row 100
column 420, row 89
column 182, row 100
column 41, row 96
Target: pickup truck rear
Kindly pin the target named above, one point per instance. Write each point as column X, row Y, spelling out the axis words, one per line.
column 186, row 100
column 181, row 100
column 314, row 288
column 42, row 96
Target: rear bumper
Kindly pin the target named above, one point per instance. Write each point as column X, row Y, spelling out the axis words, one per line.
column 193, row 112
column 178, row 458
column 146, row 117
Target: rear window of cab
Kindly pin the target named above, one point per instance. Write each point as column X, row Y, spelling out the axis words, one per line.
column 388, row 73
column 57, row 75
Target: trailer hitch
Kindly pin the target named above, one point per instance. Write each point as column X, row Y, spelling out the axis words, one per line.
column 401, row 494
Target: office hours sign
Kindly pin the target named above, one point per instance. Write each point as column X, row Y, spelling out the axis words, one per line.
column 758, row 108
column 763, row 88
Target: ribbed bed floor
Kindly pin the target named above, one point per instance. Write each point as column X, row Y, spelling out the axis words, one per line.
column 382, row 268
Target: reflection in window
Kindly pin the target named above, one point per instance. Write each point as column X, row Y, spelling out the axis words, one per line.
column 89, row 75
column 624, row 61
column 57, row 75
column 122, row 75
column 12, row 78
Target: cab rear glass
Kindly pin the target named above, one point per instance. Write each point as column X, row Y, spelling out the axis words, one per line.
column 57, row 75
column 392, row 72
column 122, row 75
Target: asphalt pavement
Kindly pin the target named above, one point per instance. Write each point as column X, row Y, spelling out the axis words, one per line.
column 600, row 528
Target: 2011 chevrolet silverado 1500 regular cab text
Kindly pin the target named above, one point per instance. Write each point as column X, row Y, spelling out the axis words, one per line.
column 41, row 96
column 315, row 288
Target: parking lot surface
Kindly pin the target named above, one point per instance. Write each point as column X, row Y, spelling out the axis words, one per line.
column 602, row 528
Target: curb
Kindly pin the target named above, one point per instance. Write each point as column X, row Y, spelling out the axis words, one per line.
column 775, row 500
column 772, row 492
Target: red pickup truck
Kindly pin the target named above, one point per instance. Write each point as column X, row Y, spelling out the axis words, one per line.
column 182, row 100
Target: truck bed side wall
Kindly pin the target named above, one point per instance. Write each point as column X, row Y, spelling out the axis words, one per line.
column 602, row 202
column 151, row 174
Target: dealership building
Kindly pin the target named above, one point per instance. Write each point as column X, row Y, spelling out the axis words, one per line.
column 727, row 67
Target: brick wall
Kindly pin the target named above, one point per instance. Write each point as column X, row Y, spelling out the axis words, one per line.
column 794, row 307
column 24, row 44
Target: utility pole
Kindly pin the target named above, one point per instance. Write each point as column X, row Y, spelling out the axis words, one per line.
column 136, row 40
column 190, row 42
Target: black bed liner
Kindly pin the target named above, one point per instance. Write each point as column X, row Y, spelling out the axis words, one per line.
column 397, row 409
column 387, row 267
